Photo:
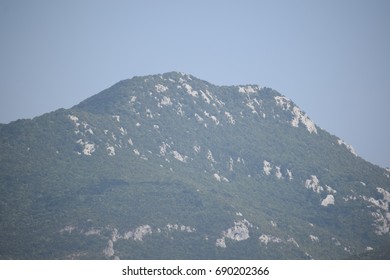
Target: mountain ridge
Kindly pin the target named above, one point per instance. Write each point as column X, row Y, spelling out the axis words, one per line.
column 156, row 166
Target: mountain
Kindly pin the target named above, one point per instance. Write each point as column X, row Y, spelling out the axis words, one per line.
column 172, row 167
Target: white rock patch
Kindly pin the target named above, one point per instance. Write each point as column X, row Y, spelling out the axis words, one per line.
column 314, row 184
column 115, row 236
column 163, row 149
column 179, row 157
column 380, row 203
column 210, row 156
column 267, row 167
column 348, row 146
column 283, row 102
column 132, row 100
column 179, row 110
column 349, row 197
column 292, row 240
column 386, row 194
column 123, row 131
column 217, row 177
column 190, row 91
column 328, row 200
column 161, row 88
column 197, row 149
column 299, row 116
column 141, row 231
column 278, row 174
column 67, row 229
column 289, row 175
column 87, row 128
column 205, row 97
column 381, row 215
column 198, row 118
column 88, row 148
column 179, row 227
column 231, row 164
column 143, row 157
column 381, row 222
column 109, row 250
column 75, row 120
column 247, row 89
column 230, row 118
column 314, row 238
column 215, row 100
column 251, row 106
column 264, row 238
column 220, row 178
column 165, row 101
column 239, row 232
column 214, row 118
column 330, row 189
column 111, row 151
column 149, row 114
column 220, row 242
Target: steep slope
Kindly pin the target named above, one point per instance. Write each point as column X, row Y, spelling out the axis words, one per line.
column 170, row 166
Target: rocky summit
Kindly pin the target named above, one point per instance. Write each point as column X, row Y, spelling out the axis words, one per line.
column 172, row 167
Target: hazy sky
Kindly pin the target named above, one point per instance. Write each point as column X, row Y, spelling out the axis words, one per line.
column 330, row 57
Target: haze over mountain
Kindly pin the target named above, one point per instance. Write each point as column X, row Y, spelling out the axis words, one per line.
column 172, row 167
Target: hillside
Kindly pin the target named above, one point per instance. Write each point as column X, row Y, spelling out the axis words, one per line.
column 173, row 167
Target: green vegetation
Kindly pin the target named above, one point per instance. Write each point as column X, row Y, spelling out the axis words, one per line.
column 163, row 172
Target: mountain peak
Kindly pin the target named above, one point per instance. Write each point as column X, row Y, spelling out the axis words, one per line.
column 172, row 83
column 176, row 85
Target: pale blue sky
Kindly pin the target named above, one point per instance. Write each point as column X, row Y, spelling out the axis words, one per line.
column 331, row 57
